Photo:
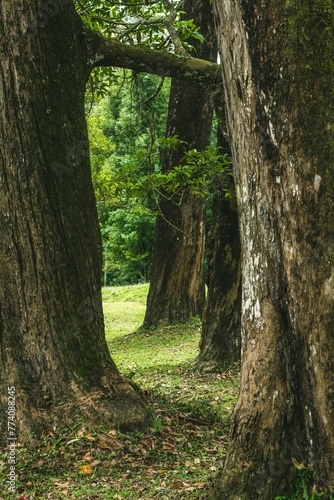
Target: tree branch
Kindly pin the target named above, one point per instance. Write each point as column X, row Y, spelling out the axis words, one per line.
column 103, row 51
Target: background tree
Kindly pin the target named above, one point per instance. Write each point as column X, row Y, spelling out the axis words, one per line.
column 176, row 290
column 279, row 82
column 220, row 336
column 53, row 348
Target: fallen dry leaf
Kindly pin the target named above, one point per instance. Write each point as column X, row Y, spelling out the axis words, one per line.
column 200, row 485
column 177, row 485
column 73, row 441
column 109, row 442
column 168, row 447
column 85, row 469
column 142, row 449
column 94, row 463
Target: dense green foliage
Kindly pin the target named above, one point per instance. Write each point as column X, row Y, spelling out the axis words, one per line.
column 126, row 130
column 123, row 128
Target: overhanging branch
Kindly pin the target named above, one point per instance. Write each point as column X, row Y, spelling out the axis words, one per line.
column 103, row 51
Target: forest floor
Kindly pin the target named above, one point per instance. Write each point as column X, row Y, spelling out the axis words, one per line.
column 177, row 458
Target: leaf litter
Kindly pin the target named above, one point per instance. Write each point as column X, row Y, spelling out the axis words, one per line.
column 176, row 458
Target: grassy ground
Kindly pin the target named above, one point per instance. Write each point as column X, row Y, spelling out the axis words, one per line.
column 176, row 458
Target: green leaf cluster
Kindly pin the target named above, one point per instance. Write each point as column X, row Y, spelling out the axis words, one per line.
column 196, row 172
column 151, row 22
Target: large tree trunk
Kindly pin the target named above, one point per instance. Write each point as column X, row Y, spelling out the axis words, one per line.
column 53, row 349
column 220, row 336
column 279, row 77
column 177, row 280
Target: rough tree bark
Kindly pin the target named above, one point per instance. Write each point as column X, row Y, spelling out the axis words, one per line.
column 220, row 336
column 52, row 343
column 53, row 349
column 177, row 279
column 279, row 81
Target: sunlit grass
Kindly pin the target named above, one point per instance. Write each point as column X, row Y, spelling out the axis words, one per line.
column 137, row 350
column 176, row 458
column 124, row 309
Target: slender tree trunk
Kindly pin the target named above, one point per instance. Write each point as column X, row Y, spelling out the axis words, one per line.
column 220, row 339
column 53, row 349
column 177, row 280
column 279, row 77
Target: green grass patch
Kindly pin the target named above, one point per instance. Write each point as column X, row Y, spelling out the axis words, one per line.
column 124, row 309
column 176, row 458
column 132, row 293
